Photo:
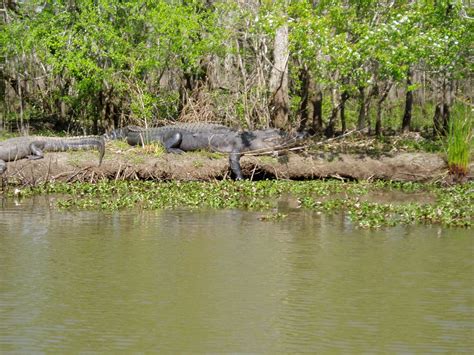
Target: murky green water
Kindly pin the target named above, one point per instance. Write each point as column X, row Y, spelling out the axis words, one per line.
column 223, row 281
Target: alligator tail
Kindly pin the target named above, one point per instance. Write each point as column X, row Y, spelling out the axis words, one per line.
column 101, row 148
column 77, row 143
column 94, row 141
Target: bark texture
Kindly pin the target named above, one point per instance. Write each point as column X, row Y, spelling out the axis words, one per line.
column 406, row 122
column 279, row 103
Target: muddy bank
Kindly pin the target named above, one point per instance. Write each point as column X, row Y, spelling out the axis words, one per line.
column 137, row 164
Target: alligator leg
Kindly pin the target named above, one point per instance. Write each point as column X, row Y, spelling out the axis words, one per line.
column 3, row 166
column 234, row 161
column 173, row 142
column 36, row 152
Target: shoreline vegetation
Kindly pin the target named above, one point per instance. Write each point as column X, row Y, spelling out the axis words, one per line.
column 374, row 204
column 378, row 183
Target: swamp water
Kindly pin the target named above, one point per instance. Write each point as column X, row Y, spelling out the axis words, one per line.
column 225, row 281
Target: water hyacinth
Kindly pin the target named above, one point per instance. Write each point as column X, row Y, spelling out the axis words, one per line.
column 369, row 205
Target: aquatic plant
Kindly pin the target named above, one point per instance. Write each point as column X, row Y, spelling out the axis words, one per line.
column 275, row 216
column 459, row 142
column 451, row 206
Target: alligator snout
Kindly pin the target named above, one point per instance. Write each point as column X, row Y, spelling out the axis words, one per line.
column 302, row 135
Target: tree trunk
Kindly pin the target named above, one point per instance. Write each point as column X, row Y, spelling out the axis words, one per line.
column 383, row 94
column 441, row 119
column 444, row 101
column 336, row 106
column 305, row 107
column 61, row 106
column 344, row 98
column 21, row 126
column 279, row 104
column 243, row 80
column 311, row 104
column 439, row 110
column 406, row 122
column 317, row 103
column 448, row 103
column 99, row 111
column 378, row 120
column 437, row 120
column 364, row 106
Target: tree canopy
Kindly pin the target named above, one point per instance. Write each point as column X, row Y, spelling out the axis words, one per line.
column 89, row 65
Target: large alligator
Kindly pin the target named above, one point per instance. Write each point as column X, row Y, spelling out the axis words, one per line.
column 185, row 137
column 32, row 147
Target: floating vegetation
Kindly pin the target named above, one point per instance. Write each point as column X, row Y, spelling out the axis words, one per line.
column 275, row 216
column 451, row 206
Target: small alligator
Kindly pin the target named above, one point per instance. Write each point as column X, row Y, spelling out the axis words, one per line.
column 32, row 147
column 185, row 137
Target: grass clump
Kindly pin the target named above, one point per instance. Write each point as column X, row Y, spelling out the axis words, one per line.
column 118, row 144
column 459, row 142
column 156, row 149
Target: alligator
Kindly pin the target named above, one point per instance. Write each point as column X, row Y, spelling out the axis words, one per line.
column 186, row 137
column 32, row 147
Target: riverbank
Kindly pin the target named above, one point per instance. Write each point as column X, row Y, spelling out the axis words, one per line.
column 122, row 162
column 374, row 186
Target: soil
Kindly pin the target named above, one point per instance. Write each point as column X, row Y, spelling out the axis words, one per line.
column 139, row 164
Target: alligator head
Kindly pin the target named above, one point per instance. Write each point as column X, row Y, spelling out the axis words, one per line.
column 268, row 139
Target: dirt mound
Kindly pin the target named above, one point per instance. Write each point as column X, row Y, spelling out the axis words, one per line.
column 137, row 164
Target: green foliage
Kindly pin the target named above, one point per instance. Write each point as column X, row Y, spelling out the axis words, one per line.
column 108, row 47
column 359, row 39
column 139, row 56
column 446, row 38
column 460, row 141
column 450, row 206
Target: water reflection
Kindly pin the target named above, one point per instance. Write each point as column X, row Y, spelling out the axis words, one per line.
column 220, row 281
